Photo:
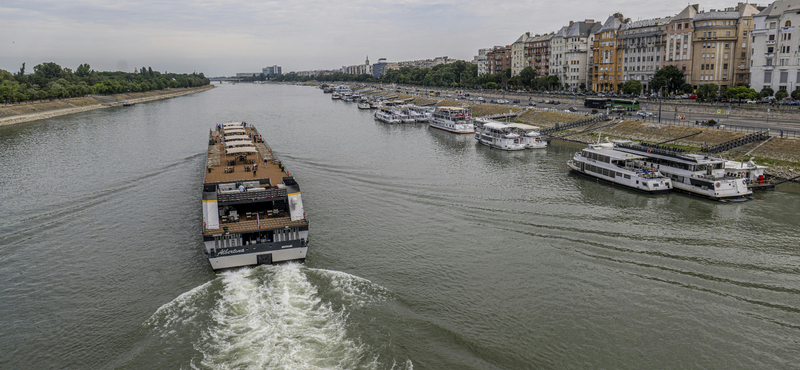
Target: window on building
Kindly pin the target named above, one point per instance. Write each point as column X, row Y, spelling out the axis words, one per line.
column 768, row 77
column 788, row 23
column 725, row 66
column 727, row 33
column 684, row 67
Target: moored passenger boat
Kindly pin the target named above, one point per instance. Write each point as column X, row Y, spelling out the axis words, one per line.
column 252, row 210
column 452, row 119
column 695, row 174
column 602, row 162
column 386, row 115
column 497, row 135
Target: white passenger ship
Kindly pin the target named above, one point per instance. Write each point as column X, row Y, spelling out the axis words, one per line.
column 452, row 119
column 691, row 173
column 252, row 210
column 602, row 162
column 497, row 135
column 386, row 115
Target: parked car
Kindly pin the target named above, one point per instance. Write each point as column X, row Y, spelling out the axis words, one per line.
column 532, row 104
column 480, row 98
column 572, row 109
column 556, row 102
column 516, row 101
column 644, row 113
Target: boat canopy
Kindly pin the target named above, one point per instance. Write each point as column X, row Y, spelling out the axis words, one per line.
column 239, row 142
column 232, row 124
column 234, row 130
column 244, row 149
column 237, row 137
column 495, row 125
column 522, row 126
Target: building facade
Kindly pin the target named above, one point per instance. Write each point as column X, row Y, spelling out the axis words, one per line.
column 531, row 51
column 677, row 50
column 482, row 62
column 775, row 59
column 607, row 55
column 498, row 59
column 557, row 65
column 271, row 71
column 642, row 46
column 577, row 54
column 721, row 46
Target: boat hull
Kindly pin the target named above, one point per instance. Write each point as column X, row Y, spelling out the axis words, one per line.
column 254, row 255
column 455, row 131
column 614, row 183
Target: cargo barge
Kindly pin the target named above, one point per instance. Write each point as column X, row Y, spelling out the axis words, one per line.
column 252, row 208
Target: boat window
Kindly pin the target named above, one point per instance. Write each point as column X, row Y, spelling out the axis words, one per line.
column 627, row 176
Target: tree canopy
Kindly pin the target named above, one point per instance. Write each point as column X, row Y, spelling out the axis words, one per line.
column 668, row 76
column 458, row 74
column 707, row 92
column 49, row 81
column 632, row 87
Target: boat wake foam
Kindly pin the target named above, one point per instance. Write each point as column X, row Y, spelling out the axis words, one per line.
column 288, row 316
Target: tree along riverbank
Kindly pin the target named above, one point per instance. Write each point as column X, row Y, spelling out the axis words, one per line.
column 31, row 111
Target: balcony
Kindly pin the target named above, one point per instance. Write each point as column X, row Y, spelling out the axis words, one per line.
column 769, row 55
column 787, row 29
column 769, row 68
column 770, row 42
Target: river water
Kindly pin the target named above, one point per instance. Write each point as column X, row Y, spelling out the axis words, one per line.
column 428, row 251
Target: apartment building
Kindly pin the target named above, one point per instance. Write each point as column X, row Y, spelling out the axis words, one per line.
column 720, row 46
column 642, row 45
column 577, row 54
column 607, row 55
column 498, row 59
column 775, row 57
column 531, row 51
column 557, row 60
column 677, row 50
column 481, row 61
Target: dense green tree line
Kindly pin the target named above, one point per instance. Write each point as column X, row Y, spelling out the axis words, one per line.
column 50, row 81
column 458, row 74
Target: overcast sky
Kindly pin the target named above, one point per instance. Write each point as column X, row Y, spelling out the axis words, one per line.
column 225, row 37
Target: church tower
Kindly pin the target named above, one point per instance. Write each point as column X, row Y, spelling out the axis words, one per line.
column 367, row 59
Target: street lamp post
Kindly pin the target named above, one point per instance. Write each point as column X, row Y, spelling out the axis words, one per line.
column 660, row 93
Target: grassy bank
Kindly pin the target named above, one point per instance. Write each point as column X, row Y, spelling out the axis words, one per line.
column 32, row 111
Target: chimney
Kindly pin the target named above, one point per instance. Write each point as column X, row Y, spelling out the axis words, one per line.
column 570, row 23
column 589, row 20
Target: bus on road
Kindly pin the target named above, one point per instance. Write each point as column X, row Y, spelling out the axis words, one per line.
column 599, row 103
column 629, row 104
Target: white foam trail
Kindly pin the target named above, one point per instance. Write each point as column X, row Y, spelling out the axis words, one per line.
column 358, row 292
column 180, row 311
column 277, row 321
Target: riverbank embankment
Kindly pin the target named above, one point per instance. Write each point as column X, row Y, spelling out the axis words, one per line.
column 31, row 111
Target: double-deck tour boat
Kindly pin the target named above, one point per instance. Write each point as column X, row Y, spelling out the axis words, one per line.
column 252, row 210
column 452, row 119
column 695, row 174
column 497, row 135
column 602, row 162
